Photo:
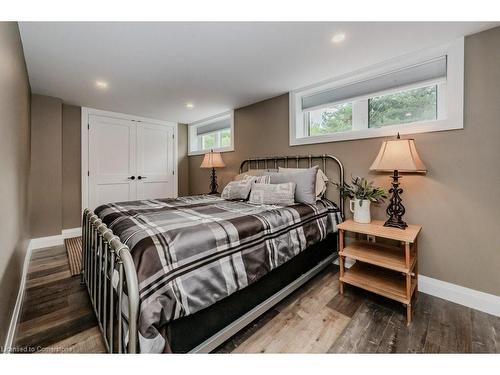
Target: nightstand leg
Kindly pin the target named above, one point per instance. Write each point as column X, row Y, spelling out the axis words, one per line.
column 408, row 314
column 341, row 260
column 341, row 264
column 415, row 245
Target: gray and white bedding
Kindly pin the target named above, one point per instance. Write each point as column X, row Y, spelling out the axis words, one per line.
column 191, row 252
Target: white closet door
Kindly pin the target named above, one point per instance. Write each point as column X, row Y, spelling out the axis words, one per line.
column 155, row 161
column 112, row 160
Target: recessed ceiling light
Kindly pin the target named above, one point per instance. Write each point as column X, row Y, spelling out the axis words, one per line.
column 339, row 37
column 189, row 105
column 101, row 84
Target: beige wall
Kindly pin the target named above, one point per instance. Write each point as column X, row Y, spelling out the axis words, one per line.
column 456, row 202
column 55, row 181
column 46, row 166
column 71, row 166
column 183, row 166
column 14, row 168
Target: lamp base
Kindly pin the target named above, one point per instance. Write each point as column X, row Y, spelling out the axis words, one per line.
column 395, row 210
column 213, row 183
column 396, row 224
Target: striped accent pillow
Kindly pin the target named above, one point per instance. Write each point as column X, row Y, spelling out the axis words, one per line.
column 279, row 194
column 265, row 179
column 237, row 190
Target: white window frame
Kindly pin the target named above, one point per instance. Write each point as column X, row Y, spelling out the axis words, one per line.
column 450, row 98
column 194, row 141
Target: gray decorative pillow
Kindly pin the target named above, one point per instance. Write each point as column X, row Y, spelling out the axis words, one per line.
column 280, row 194
column 255, row 173
column 265, row 179
column 237, row 190
column 305, row 179
column 321, row 179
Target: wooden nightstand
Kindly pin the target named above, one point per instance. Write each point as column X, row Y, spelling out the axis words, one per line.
column 390, row 271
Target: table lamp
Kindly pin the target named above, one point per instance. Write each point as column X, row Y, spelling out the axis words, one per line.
column 397, row 155
column 213, row 160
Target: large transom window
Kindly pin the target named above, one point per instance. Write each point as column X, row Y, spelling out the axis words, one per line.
column 215, row 133
column 415, row 94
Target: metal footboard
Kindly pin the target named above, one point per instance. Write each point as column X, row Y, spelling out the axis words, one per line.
column 109, row 273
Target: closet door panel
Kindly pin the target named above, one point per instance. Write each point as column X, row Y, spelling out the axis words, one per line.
column 155, row 161
column 112, row 160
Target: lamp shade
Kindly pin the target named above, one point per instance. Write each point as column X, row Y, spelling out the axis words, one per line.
column 212, row 160
column 400, row 155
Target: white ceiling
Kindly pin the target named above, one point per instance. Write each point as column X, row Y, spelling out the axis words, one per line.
column 154, row 69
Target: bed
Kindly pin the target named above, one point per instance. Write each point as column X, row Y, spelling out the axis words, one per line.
column 184, row 275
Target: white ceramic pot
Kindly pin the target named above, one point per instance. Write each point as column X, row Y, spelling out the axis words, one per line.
column 361, row 211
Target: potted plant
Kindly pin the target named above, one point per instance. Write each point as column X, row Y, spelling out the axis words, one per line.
column 362, row 193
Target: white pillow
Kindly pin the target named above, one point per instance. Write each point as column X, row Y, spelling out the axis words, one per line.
column 321, row 179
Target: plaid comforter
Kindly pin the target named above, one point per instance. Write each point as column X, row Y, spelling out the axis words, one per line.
column 191, row 252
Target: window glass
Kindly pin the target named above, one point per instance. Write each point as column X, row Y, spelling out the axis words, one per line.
column 208, row 141
column 333, row 119
column 225, row 138
column 403, row 107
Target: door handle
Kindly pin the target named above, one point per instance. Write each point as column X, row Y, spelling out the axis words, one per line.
column 141, row 177
column 131, row 178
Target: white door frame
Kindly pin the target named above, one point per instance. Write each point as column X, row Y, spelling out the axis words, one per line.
column 86, row 112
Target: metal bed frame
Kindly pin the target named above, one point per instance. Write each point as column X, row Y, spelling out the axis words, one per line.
column 108, row 269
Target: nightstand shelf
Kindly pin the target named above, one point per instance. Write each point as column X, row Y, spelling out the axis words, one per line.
column 380, row 281
column 391, row 271
column 390, row 257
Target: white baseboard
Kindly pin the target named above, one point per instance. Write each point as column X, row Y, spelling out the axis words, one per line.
column 70, row 233
column 39, row 243
column 475, row 299
column 19, row 302
column 34, row 244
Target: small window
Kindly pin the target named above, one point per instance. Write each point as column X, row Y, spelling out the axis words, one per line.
column 417, row 93
column 403, row 107
column 214, row 133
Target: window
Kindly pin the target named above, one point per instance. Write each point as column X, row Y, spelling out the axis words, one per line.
column 215, row 140
column 214, row 133
column 418, row 93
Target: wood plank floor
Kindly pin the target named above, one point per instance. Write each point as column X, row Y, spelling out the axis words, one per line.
column 56, row 317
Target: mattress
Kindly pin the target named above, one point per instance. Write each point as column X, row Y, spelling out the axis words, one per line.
column 192, row 252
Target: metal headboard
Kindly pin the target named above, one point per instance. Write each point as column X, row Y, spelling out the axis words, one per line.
column 273, row 162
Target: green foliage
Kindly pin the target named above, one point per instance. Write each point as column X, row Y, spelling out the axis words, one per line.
column 208, row 141
column 362, row 189
column 403, row 107
column 333, row 120
column 225, row 138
